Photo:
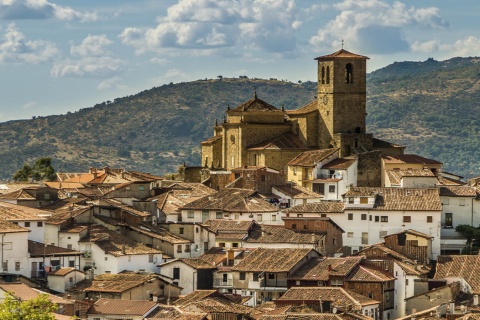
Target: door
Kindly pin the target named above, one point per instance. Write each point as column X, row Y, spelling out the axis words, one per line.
column 34, row 270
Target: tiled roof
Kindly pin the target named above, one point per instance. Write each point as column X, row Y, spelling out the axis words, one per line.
column 64, row 185
column 116, row 244
column 341, row 54
column 412, row 232
column 118, row 282
column 10, row 187
column 255, row 104
column 144, row 175
column 227, row 226
column 232, row 200
column 62, row 271
column 395, row 176
column 340, row 296
column 311, row 157
column 377, row 143
column 458, row 191
column 409, row 158
column 215, row 254
column 165, row 312
column 447, row 181
column 318, row 207
column 22, row 194
column 461, row 266
column 311, row 107
column 9, row 227
column 340, row 164
column 23, row 292
column 370, row 274
column 296, row 316
column 120, row 205
column 404, row 199
column 196, row 295
column 219, row 305
column 318, row 269
column 198, row 263
column 212, row 139
column 297, row 192
column 286, row 141
column 280, row 234
column 60, row 217
column 271, row 260
column 38, row 249
column 121, row 307
column 160, row 233
column 13, row 212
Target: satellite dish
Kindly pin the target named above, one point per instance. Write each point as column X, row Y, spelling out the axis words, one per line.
column 334, row 310
column 337, row 175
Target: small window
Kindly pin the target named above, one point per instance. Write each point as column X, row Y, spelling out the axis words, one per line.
column 46, row 196
column 190, row 214
column 294, row 171
column 176, row 273
column 235, row 245
column 5, row 265
column 364, row 216
column 363, row 200
column 259, row 217
column 255, row 276
column 271, row 276
column 127, row 188
column 300, row 215
column 323, row 215
column 407, row 219
column 370, row 217
column 196, row 230
column 221, row 244
column 70, row 279
column 150, row 258
column 414, row 243
column 384, row 219
column 69, row 246
column 351, row 200
column 294, row 226
column 364, row 237
column 179, row 249
column 377, row 218
column 264, row 177
column 39, row 224
column 17, row 265
column 331, row 189
column 350, row 216
column 141, row 188
column 305, row 227
column 429, row 219
column 242, row 276
column 274, row 217
column 181, row 230
column 27, row 224
column 187, row 248
column 71, row 263
column 448, row 220
column 218, row 215
column 350, row 234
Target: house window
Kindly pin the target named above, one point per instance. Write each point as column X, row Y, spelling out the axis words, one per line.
column 351, row 200
column 176, row 273
column 364, row 237
column 263, row 177
column 327, row 77
column 414, row 243
column 235, row 245
column 190, row 214
column 350, row 216
column 305, row 226
column 300, row 215
column 242, row 276
column 323, row 215
column 221, row 244
column 370, row 217
column 141, row 188
column 377, row 218
column 69, row 246
column 407, row 219
column 294, row 171
column 5, row 265
column 127, row 188
column 331, row 189
column 39, row 224
column 448, row 220
column 179, row 249
column 323, row 75
column 218, row 215
column 461, row 202
column 255, row 276
column 46, row 196
column 205, row 246
column 336, row 282
column 27, row 224
column 70, row 279
column 150, row 258
column 382, row 234
column 429, row 219
column 364, row 216
column 71, row 263
column 181, row 230
column 294, row 226
column 384, row 219
column 259, row 217
column 349, row 73
column 271, row 276
column 363, row 200
column 274, row 217
column 187, row 248
column 17, row 265
column 233, row 161
column 350, row 234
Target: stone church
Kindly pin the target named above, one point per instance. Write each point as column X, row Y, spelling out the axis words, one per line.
column 256, row 133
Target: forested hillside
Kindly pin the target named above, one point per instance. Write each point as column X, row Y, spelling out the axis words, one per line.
column 431, row 107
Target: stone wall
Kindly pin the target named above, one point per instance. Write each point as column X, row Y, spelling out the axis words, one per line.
column 369, row 169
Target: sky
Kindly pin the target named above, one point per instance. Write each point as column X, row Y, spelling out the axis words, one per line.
column 62, row 56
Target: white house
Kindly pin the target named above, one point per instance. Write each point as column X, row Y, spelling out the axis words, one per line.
column 61, row 279
column 104, row 309
column 30, row 218
column 14, row 248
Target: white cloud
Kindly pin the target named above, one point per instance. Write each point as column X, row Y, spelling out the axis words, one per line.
column 29, row 105
column 89, row 59
column 160, row 61
column 14, row 48
column 42, row 9
column 375, row 26
column 265, row 25
column 468, row 46
column 427, row 46
column 112, row 83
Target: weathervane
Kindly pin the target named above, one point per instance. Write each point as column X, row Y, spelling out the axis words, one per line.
column 342, row 43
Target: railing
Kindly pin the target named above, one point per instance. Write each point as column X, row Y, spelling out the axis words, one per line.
column 223, row 283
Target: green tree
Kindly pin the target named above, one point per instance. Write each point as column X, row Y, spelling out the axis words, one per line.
column 472, row 235
column 42, row 170
column 39, row 308
column 23, row 174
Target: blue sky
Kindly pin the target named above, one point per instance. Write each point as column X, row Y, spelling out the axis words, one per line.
column 59, row 56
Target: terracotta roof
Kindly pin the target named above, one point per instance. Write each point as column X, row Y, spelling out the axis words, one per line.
column 212, row 139
column 302, row 315
column 280, row 234
column 9, row 227
column 340, row 164
column 340, row 296
column 404, row 199
column 62, row 271
column 118, row 283
column 311, row 107
column 23, row 292
column 144, row 175
column 318, row 207
column 370, row 274
column 22, row 194
column 227, row 226
column 114, row 243
column 461, row 266
column 395, row 176
column 458, row 191
column 311, row 157
column 232, row 200
column 446, row 181
column 174, row 313
column 285, row 141
column 318, row 269
column 196, row 263
column 377, row 143
column 14, row 212
column 409, row 158
column 297, row 192
column 64, row 185
column 196, row 295
column 38, row 249
column 271, row 260
column 160, row 233
column 122, row 307
column 412, row 232
column 219, row 305
column 120, row 205
column 254, row 104
column 215, row 254
column 10, row 187
column 61, row 217
column 341, row 54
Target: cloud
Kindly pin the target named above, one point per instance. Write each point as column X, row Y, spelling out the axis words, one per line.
column 41, row 9
column 468, row 46
column 221, row 25
column 375, row 26
column 112, row 83
column 29, row 105
column 14, row 48
column 89, row 59
column 160, row 61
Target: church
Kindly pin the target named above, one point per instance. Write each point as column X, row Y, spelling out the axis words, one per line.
column 256, row 133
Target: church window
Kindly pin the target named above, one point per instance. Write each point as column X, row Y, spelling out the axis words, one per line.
column 323, row 75
column 233, row 161
column 358, row 130
column 349, row 73
column 328, row 75
column 255, row 159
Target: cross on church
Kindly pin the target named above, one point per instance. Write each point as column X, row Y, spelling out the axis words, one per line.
column 342, row 43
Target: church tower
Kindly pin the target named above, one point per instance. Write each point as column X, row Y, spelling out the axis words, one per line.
column 342, row 96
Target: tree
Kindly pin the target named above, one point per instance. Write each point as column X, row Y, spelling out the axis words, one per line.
column 42, row 170
column 472, row 235
column 39, row 308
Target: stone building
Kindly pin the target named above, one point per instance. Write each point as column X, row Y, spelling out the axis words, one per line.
column 256, row 133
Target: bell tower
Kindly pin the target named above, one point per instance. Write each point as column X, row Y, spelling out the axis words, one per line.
column 342, row 96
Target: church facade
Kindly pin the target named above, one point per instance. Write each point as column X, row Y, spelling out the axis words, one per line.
column 256, row 133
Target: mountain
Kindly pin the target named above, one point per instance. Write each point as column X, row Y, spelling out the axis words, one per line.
column 431, row 107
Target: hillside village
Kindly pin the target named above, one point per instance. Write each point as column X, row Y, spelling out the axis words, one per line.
column 292, row 214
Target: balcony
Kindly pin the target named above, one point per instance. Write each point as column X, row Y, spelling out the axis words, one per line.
column 222, row 283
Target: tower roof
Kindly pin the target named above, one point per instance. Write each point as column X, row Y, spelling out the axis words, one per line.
column 341, row 54
column 255, row 104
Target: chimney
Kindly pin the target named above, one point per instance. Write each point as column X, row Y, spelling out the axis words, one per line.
column 452, row 307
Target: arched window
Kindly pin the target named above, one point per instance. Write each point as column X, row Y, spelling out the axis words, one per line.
column 349, row 73
column 328, row 75
column 358, row 130
column 323, row 75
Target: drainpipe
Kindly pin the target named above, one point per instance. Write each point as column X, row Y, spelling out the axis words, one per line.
column 3, row 235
